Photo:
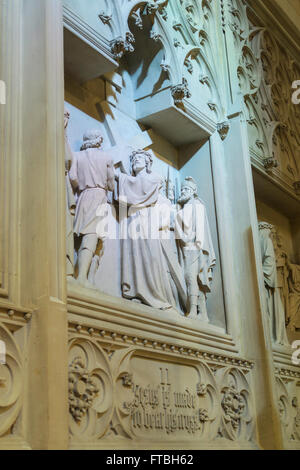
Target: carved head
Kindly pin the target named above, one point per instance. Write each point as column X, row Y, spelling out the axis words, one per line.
column 92, row 139
column 140, row 160
column 188, row 190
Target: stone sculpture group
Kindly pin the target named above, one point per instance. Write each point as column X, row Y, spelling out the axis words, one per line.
column 165, row 248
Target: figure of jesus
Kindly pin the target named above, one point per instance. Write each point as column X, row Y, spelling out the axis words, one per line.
column 144, row 268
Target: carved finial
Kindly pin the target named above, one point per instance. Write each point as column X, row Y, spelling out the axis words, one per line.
column 120, row 45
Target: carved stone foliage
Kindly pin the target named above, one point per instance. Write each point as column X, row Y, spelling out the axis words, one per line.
column 128, row 393
column 288, row 393
column 186, row 31
column 90, row 390
column 237, row 413
column 266, row 73
column 11, row 382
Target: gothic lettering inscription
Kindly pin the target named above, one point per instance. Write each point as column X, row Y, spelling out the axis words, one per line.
column 167, row 407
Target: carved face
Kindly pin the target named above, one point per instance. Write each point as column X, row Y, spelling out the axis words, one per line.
column 187, row 193
column 139, row 163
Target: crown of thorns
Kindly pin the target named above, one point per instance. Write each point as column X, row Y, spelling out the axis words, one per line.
column 141, row 152
column 265, row 226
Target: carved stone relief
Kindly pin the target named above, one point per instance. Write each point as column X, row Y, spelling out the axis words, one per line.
column 158, row 241
column 90, row 390
column 288, row 392
column 128, row 394
column 237, row 416
column 266, row 73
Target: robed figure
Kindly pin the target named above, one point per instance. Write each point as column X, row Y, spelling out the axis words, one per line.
column 196, row 249
column 145, row 266
column 92, row 176
column 275, row 306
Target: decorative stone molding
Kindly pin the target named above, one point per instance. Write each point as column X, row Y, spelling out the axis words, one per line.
column 142, row 398
column 266, row 72
column 119, row 46
column 165, row 347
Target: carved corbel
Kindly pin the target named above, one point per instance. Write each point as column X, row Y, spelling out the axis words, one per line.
column 270, row 163
column 180, row 92
column 120, row 45
column 223, row 129
column 118, row 48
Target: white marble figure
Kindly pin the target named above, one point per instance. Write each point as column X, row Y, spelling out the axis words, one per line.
column 275, row 306
column 196, row 250
column 70, row 202
column 92, row 176
column 145, row 266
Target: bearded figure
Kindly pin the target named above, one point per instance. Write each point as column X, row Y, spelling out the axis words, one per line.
column 92, row 176
column 148, row 268
column 196, row 251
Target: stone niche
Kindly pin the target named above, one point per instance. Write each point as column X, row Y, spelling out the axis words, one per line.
column 107, row 103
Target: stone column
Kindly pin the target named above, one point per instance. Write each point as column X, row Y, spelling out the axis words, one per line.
column 241, row 266
column 42, row 218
